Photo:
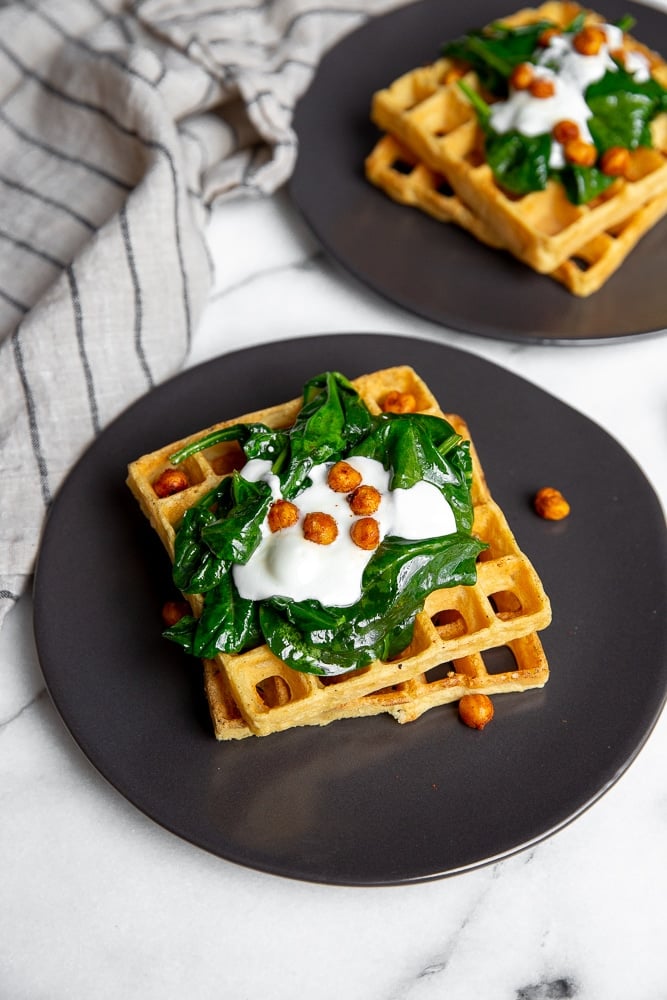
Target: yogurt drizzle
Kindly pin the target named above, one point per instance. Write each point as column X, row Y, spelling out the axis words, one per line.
column 285, row 564
column 571, row 74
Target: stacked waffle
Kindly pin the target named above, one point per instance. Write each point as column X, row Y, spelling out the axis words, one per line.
column 432, row 156
column 467, row 639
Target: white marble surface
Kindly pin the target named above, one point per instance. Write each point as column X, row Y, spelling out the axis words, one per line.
column 97, row 901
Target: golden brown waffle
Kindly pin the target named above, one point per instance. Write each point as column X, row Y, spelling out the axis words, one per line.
column 394, row 168
column 458, row 636
column 426, row 110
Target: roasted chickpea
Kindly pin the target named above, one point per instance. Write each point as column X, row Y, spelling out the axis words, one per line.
column 565, row 131
column 320, row 528
column 173, row 611
column 453, row 74
column 521, row 76
column 581, row 153
column 169, row 482
column 545, row 37
column 476, row 710
column 365, row 533
column 399, row 402
column 342, row 478
column 589, row 40
column 615, row 161
column 365, row 500
column 542, row 88
column 550, row 504
column 282, row 514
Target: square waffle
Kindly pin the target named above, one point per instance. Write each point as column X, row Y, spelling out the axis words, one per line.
column 459, row 636
column 395, row 170
column 426, row 110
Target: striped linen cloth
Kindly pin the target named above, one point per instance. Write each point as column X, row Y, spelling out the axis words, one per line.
column 121, row 125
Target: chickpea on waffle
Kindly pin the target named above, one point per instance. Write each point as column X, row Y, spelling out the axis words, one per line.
column 436, row 124
column 478, row 639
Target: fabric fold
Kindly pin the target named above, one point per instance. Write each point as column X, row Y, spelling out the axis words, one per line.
column 120, row 127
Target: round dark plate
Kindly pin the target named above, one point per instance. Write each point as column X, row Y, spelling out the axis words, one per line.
column 433, row 269
column 363, row 801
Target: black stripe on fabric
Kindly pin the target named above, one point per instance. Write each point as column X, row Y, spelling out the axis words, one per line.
column 148, row 143
column 257, row 99
column 107, row 53
column 324, row 12
column 53, row 202
column 236, row 68
column 217, row 11
column 29, row 248
column 80, row 337
column 108, row 15
column 51, row 88
column 138, row 305
column 19, row 306
column 113, row 57
column 35, row 439
column 289, row 27
column 59, row 154
column 251, row 166
column 7, row 595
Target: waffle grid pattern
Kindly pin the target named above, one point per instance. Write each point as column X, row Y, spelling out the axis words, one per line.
column 457, row 636
column 428, row 115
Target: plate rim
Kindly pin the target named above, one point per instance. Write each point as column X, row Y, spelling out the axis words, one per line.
column 299, row 342
column 479, row 325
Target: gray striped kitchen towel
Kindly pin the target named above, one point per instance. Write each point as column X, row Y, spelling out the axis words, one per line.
column 121, row 124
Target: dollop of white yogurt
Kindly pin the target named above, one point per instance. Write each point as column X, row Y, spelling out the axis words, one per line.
column 285, row 564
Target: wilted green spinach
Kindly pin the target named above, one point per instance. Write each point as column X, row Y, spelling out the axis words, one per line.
column 224, row 528
column 622, row 109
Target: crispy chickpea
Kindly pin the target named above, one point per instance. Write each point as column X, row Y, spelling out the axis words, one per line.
column 581, row 153
column 550, row 504
column 173, row 611
column 282, row 514
column 320, row 528
column 545, row 37
column 565, row 131
column 589, row 40
column 169, row 482
column 364, row 500
column 542, row 88
column 453, row 74
column 521, row 76
column 476, row 710
column 615, row 161
column 365, row 533
column 399, row 402
column 343, row 478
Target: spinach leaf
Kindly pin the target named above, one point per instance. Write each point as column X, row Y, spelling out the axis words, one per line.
column 196, row 569
column 235, row 536
column 520, row 163
column 416, row 447
column 623, row 109
column 493, row 52
column 583, row 184
column 395, row 584
column 332, row 418
column 183, row 633
column 228, row 622
column 255, row 439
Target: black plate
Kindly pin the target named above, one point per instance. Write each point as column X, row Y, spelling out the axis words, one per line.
column 363, row 802
column 435, row 270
